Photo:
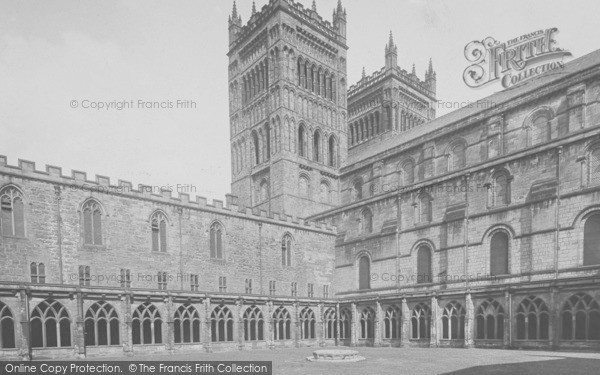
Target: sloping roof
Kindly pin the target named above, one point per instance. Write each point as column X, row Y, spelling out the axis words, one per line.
column 570, row 68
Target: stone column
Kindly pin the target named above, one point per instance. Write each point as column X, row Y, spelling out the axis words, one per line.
column 377, row 325
column 126, row 335
column 553, row 333
column 469, row 321
column 296, row 325
column 170, row 342
column 354, row 325
column 406, row 334
column 80, row 328
column 24, row 317
column 207, row 332
column 337, row 324
column 240, row 323
column 321, row 326
column 434, row 340
column 269, row 324
column 507, row 320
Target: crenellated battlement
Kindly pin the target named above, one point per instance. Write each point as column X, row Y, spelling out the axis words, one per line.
column 78, row 180
column 410, row 79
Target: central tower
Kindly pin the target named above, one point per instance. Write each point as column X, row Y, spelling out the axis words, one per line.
column 287, row 96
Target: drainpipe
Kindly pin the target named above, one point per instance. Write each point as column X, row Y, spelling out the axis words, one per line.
column 260, row 267
column 57, row 192
column 466, row 249
column 181, row 263
column 557, row 213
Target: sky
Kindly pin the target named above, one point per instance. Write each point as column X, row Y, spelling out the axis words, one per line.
column 59, row 58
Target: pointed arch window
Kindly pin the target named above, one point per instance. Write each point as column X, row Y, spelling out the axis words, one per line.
column 221, row 320
column 591, row 240
column 580, row 318
column 367, row 323
column 286, row 250
column 392, row 323
column 216, row 241
column 499, row 254
column 317, row 147
column 158, row 227
column 12, row 213
column 330, row 323
column 253, row 324
column 256, row 145
column 424, row 274
column 345, row 326
column 146, row 325
column 533, row 319
column 302, row 145
column 282, row 324
column 490, row 320
column 421, row 321
column 101, row 325
column 50, row 325
column 7, row 327
column 186, row 324
column 307, row 324
column 92, row 223
column 364, row 273
column 331, row 152
column 453, row 321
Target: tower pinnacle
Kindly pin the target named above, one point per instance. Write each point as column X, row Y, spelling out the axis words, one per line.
column 253, row 8
column 314, row 6
column 234, row 13
column 414, row 71
column 391, row 53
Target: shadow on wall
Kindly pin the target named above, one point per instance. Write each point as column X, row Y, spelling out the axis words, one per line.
column 560, row 366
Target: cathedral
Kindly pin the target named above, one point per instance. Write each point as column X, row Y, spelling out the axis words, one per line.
column 357, row 217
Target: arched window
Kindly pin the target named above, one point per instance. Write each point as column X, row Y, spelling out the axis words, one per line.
column 264, row 191
column 253, row 324
column 424, row 275
column 286, row 250
column 101, row 325
column 420, row 321
column 317, row 146
column 303, row 186
column 92, row 223
column 158, row 223
column 364, row 273
column 12, row 215
column 357, row 190
column 391, row 323
column 186, row 324
column 7, row 327
column 580, row 318
column 146, row 325
column 345, row 326
column 594, row 166
column 307, row 324
column 331, row 152
column 216, row 241
column 324, row 192
column 541, row 130
column 408, row 173
column 591, row 240
column 50, row 325
column 533, row 319
column 330, row 323
column 256, row 148
column 453, row 321
column 457, row 157
column 423, row 208
column 282, row 324
column 490, row 320
column 267, row 141
column 302, row 140
column 367, row 323
column 367, row 221
column 499, row 254
column 221, row 320
column 499, row 189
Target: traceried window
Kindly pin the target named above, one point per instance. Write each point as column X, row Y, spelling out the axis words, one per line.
column 490, row 320
column 421, row 321
column 424, row 274
column 50, row 325
column 146, row 325
column 216, row 241
column 7, row 327
column 367, row 323
column 330, row 323
column 221, row 320
column 253, row 324
column 307, row 324
column 580, row 318
column 92, row 223
column 282, row 324
column 499, row 253
column 186, row 324
column 101, row 325
column 286, row 250
column 453, row 321
column 158, row 224
column 533, row 319
column 391, row 323
column 591, row 240
column 38, row 273
column 12, row 215
column 345, row 324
